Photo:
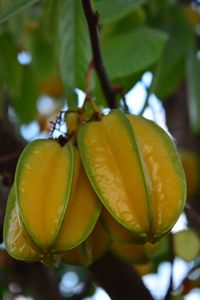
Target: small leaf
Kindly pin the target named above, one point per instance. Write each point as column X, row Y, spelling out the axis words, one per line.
column 15, row 8
column 49, row 17
column 113, row 10
column 9, row 66
column 137, row 18
column 193, row 76
column 171, row 67
column 129, row 53
column 75, row 52
column 24, row 102
column 97, row 93
column 43, row 54
column 72, row 98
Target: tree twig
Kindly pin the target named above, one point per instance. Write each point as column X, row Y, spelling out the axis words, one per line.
column 119, row 279
column 193, row 214
column 171, row 259
column 8, row 157
column 92, row 21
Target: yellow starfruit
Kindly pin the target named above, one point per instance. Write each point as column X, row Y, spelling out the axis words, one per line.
column 132, row 253
column 52, row 203
column 91, row 249
column 136, row 172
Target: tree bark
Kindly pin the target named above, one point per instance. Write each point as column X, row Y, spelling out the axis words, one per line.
column 119, row 279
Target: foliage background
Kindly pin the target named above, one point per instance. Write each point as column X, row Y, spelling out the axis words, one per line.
column 45, row 51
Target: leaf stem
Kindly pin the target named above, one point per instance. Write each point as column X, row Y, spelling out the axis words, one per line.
column 146, row 102
column 92, row 21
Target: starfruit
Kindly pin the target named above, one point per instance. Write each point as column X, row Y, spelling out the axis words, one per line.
column 136, row 172
column 191, row 165
column 132, row 253
column 116, row 231
column 16, row 238
column 52, row 203
column 90, row 250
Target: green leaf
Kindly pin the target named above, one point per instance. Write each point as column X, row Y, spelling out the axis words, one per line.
column 15, row 8
column 25, row 100
column 9, row 66
column 193, row 88
column 113, row 10
column 72, row 98
column 136, row 18
column 43, row 54
column 129, row 53
column 75, row 52
column 49, row 18
column 171, row 67
column 97, row 94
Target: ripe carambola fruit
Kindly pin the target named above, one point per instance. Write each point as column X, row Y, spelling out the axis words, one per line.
column 191, row 165
column 136, row 172
column 52, row 202
column 16, row 238
column 133, row 253
column 116, row 231
column 90, row 250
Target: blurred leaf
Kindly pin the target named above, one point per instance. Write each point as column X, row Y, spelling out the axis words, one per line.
column 3, row 288
column 43, row 56
column 171, row 67
column 186, row 244
column 177, row 297
column 113, row 10
column 24, row 102
column 97, row 93
column 9, row 66
column 133, row 20
column 49, row 17
column 193, row 88
column 129, row 53
column 72, row 98
column 16, row 26
column 157, row 11
column 75, row 52
column 15, row 8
